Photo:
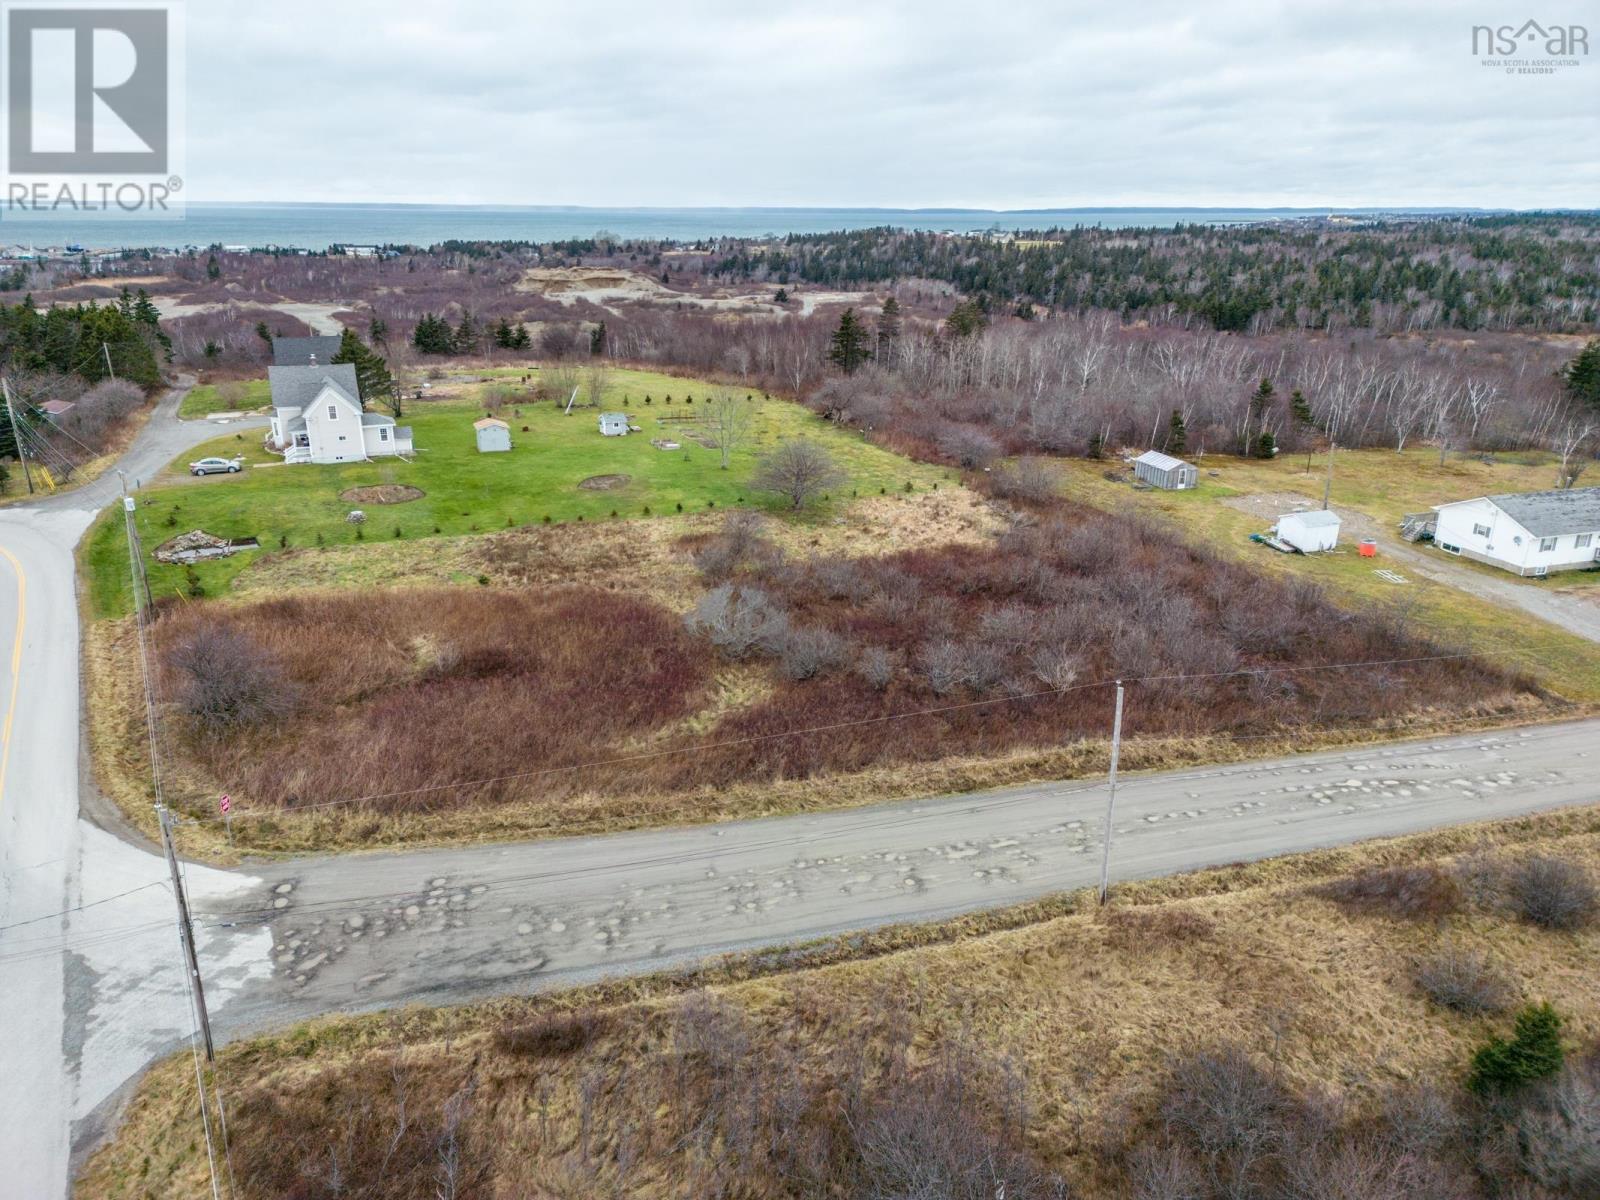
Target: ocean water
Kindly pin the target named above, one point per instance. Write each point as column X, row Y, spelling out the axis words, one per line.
column 318, row 226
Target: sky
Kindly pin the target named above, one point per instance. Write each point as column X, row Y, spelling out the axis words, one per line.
column 1009, row 104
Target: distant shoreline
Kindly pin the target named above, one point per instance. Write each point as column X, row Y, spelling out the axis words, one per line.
column 315, row 226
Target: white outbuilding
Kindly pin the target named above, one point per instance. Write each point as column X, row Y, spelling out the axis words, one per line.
column 614, row 424
column 494, row 435
column 1309, row 532
column 1163, row 471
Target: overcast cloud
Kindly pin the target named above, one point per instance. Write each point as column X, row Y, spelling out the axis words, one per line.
column 1011, row 104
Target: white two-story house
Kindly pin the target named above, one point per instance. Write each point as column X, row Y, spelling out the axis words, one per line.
column 1530, row 533
column 317, row 418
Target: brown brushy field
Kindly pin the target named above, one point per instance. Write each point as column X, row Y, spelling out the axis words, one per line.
column 1254, row 1031
column 595, row 701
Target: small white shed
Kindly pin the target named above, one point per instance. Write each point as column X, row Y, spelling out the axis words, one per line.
column 1163, row 471
column 614, row 424
column 493, row 435
column 1309, row 532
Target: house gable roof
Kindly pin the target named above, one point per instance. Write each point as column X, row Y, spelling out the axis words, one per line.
column 296, row 387
column 300, row 351
column 490, row 423
column 1550, row 514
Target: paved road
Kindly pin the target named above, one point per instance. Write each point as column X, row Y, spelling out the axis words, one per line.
column 78, row 1023
column 92, row 995
column 384, row 928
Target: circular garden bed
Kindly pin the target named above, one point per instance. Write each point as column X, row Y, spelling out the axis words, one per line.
column 382, row 493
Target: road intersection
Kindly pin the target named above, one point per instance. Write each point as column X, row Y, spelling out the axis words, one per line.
column 90, row 973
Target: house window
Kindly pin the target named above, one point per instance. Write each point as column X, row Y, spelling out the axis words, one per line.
column 1449, row 549
column 1480, row 530
column 383, row 433
column 1547, row 544
column 333, row 412
column 1585, row 540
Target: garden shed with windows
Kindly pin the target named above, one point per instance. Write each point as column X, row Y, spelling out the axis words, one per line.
column 1163, row 471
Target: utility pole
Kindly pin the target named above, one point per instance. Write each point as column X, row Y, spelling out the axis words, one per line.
column 191, row 961
column 1111, row 799
column 141, row 577
column 16, row 434
column 106, row 346
column 186, row 930
column 1327, row 488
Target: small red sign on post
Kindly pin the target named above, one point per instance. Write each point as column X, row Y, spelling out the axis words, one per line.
column 225, row 804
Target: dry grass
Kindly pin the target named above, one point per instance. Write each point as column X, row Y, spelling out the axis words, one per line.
column 585, row 1093
column 956, row 564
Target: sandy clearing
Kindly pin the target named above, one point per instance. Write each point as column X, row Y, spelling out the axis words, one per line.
column 319, row 316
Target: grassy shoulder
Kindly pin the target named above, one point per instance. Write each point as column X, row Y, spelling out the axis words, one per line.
column 1237, row 497
column 241, row 395
column 600, row 1090
column 541, row 480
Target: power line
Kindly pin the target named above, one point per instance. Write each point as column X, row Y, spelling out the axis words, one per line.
column 229, row 918
column 81, row 907
column 701, row 747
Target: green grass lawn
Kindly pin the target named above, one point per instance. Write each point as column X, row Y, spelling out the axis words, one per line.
column 1383, row 485
column 470, row 492
column 241, row 396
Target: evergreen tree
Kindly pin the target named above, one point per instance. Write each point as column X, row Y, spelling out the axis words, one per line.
column 781, row 296
column 1177, row 434
column 1301, row 408
column 1533, row 1052
column 265, row 334
column 848, row 345
column 504, row 336
column 889, row 322
column 1582, row 375
column 378, row 331
column 521, row 339
column 1261, row 398
column 433, row 335
column 213, row 268
column 374, row 383
column 148, row 316
column 597, row 340
column 966, row 318
column 465, row 339
column 1266, row 445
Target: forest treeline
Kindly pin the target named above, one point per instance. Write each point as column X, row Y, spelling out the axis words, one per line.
column 1534, row 272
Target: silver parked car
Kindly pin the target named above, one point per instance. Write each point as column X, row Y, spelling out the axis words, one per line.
column 215, row 466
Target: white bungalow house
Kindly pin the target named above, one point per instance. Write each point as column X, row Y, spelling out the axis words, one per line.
column 316, row 418
column 1529, row 533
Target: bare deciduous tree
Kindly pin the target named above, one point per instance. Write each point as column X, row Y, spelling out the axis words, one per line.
column 596, row 378
column 730, row 421
column 798, row 470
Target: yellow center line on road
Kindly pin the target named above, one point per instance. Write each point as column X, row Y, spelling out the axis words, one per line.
column 16, row 666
